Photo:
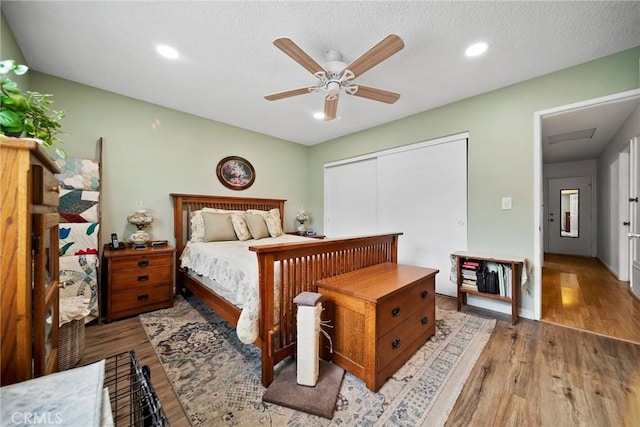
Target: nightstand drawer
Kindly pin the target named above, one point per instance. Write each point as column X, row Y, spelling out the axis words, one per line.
column 399, row 307
column 148, row 276
column 142, row 261
column 137, row 300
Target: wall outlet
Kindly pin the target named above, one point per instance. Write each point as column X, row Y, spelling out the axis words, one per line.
column 506, row 203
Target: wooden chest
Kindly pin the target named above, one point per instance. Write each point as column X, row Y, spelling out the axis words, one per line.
column 138, row 280
column 381, row 315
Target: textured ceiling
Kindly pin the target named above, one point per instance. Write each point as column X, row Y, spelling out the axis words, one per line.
column 228, row 62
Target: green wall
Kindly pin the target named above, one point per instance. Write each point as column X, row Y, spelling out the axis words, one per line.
column 500, row 150
column 150, row 151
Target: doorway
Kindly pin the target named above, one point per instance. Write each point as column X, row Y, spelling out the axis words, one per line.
column 589, row 114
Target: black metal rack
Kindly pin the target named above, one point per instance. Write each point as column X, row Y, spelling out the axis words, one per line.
column 133, row 400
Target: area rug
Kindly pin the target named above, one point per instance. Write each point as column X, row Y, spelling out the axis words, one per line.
column 217, row 378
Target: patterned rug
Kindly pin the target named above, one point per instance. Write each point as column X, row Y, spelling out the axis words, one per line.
column 217, row 378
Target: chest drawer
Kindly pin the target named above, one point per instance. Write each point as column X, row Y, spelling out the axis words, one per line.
column 45, row 190
column 398, row 307
column 397, row 342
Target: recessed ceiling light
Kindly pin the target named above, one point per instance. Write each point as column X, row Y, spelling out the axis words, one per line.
column 167, row 51
column 476, row 49
column 318, row 116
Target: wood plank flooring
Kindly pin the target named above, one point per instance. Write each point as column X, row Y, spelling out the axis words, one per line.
column 105, row 340
column 579, row 292
column 541, row 374
column 530, row 374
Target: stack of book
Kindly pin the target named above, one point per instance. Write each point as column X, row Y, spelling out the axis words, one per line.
column 504, row 280
column 469, row 270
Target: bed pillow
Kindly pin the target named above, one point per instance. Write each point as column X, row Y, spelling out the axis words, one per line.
column 240, row 227
column 257, row 226
column 218, row 227
column 197, row 227
column 272, row 219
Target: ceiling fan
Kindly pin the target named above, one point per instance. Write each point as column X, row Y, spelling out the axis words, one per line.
column 336, row 76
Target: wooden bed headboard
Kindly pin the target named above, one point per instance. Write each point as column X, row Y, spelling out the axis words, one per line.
column 185, row 204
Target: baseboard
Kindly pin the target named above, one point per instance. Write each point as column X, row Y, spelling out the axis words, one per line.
column 608, row 267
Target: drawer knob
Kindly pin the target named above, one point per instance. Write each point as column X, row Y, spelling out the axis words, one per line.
column 143, row 263
column 395, row 343
column 395, row 312
column 425, row 320
column 55, row 189
column 143, row 278
column 143, row 297
column 424, row 294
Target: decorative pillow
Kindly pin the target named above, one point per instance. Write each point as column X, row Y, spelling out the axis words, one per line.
column 197, row 223
column 218, row 227
column 257, row 226
column 240, row 227
column 272, row 219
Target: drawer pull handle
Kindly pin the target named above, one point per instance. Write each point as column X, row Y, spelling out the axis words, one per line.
column 143, row 297
column 395, row 343
column 55, row 189
column 424, row 294
column 395, row 312
column 425, row 320
column 143, row 263
column 143, row 278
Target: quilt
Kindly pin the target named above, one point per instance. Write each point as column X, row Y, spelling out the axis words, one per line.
column 78, row 205
column 78, row 174
column 79, row 278
column 79, row 238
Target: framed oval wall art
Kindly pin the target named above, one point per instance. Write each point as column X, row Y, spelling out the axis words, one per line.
column 235, row 173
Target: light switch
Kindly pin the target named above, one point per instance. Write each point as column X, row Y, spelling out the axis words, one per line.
column 506, row 203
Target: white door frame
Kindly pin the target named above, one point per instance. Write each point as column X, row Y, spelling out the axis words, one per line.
column 623, row 216
column 538, row 247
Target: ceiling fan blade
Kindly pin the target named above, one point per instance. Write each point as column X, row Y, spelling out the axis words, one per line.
column 377, row 94
column 287, row 94
column 293, row 50
column 330, row 107
column 383, row 50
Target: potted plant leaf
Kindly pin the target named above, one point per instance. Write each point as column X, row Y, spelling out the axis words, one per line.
column 27, row 113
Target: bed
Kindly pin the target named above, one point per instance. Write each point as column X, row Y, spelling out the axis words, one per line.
column 283, row 271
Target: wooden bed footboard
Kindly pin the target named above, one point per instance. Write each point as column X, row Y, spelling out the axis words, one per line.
column 294, row 266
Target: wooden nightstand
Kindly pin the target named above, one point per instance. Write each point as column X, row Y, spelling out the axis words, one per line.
column 313, row 236
column 138, row 280
column 381, row 315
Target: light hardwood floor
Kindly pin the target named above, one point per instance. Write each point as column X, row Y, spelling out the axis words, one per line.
column 579, row 292
column 530, row 374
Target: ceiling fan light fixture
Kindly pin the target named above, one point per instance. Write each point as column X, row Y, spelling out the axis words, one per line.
column 476, row 49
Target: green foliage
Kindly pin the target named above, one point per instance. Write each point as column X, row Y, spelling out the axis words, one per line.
column 28, row 112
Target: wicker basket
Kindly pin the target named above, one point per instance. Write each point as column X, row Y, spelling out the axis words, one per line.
column 71, row 344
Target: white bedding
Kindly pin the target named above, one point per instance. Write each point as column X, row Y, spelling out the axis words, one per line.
column 233, row 268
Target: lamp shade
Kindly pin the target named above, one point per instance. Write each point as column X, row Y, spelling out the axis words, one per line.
column 141, row 218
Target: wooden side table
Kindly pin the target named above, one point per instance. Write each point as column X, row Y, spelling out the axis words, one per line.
column 138, row 280
column 381, row 316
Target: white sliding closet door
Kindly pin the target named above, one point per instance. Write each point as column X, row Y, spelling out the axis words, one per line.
column 350, row 198
column 423, row 193
column 419, row 190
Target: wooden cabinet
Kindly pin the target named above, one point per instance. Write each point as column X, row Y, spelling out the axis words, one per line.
column 381, row 315
column 138, row 280
column 511, row 280
column 29, row 261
